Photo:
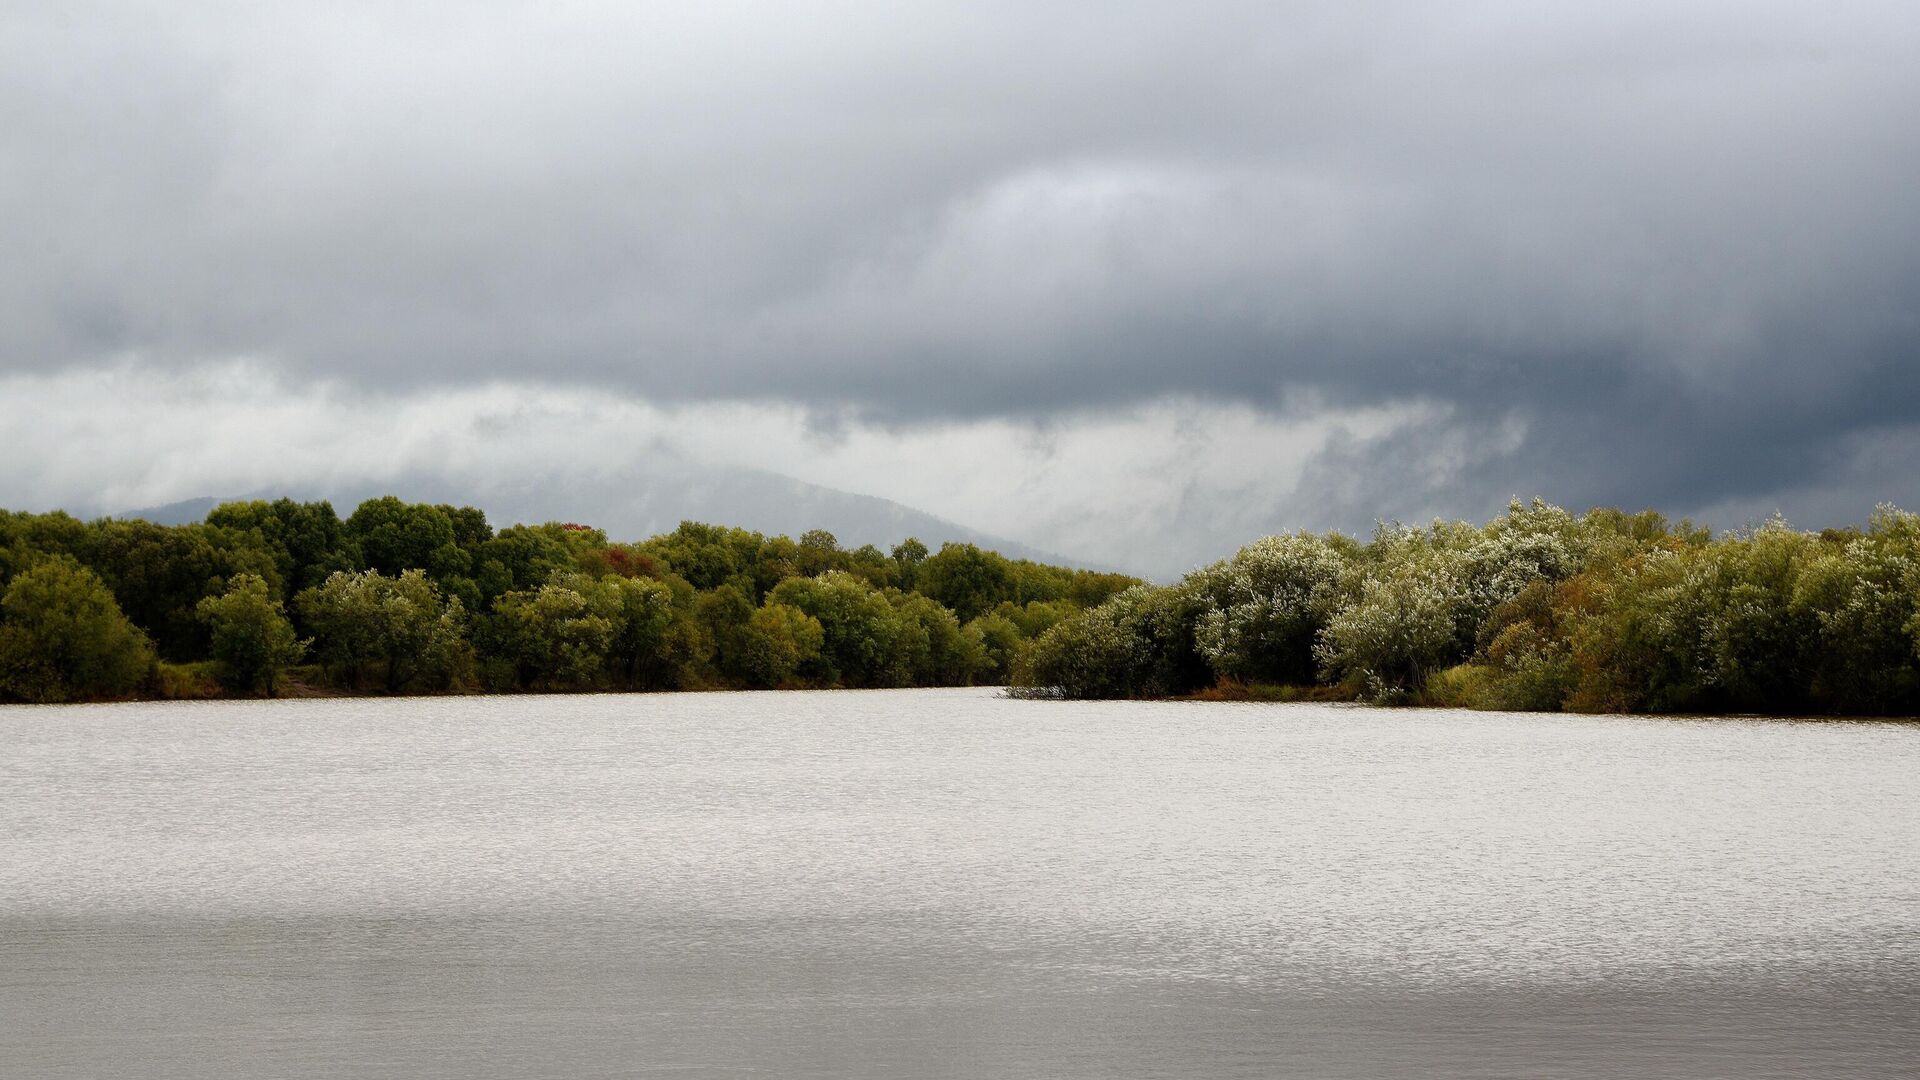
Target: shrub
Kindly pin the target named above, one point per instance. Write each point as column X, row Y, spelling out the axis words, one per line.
column 62, row 637
column 1267, row 606
column 252, row 639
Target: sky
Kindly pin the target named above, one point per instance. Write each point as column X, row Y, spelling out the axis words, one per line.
column 1130, row 282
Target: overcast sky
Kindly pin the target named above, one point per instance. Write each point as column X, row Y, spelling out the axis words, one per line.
column 1134, row 282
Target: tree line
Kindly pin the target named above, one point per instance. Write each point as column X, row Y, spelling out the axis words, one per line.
column 1538, row 609
column 402, row 597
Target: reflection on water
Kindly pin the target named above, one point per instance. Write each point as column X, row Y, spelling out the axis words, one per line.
column 949, row 883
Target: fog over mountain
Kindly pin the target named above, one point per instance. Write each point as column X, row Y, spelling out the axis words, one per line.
column 637, row 507
column 1133, row 282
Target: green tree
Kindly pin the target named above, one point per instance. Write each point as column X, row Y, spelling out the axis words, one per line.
column 1267, row 606
column 706, row 555
column 819, row 552
column 1141, row 643
column 724, row 612
column 1645, row 642
column 868, row 562
column 25, row 539
column 1404, row 628
column 908, row 554
column 521, row 557
column 642, row 611
column 307, row 541
column 934, row 647
column 400, row 628
column 63, row 637
column 556, row 637
column 967, row 580
column 999, row 639
column 862, row 630
column 252, row 639
column 779, row 641
column 1861, row 593
column 393, row 536
column 159, row 574
column 1036, row 617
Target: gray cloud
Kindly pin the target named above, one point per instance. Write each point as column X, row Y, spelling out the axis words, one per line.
column 1675, row 246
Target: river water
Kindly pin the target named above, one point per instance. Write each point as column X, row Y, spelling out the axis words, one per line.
column 949, row 883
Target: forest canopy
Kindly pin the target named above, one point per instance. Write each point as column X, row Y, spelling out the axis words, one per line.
column 397, row 597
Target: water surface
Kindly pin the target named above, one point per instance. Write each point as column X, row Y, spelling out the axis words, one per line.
column 950, row 884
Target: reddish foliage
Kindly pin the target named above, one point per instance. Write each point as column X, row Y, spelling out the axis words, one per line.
column 628, row 563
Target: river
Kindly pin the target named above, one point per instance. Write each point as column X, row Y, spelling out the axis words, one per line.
column 950, row 883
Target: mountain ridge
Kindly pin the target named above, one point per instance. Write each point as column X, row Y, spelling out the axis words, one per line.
column 748, row 498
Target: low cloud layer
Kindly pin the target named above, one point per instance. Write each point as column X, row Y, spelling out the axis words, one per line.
column 1156, row 489
column 1380, row 259
column 1153, row 489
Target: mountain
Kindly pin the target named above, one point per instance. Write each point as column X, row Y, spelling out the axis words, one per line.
column 186, row 512
column 635, row 507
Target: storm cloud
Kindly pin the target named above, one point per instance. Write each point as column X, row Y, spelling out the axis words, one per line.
column 1649, row 254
